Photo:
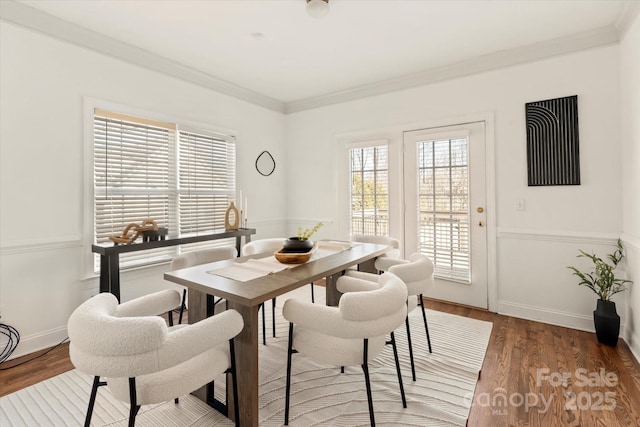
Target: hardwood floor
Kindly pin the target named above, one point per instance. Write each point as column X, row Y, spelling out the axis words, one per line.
column 533, row 374
column 536, row 374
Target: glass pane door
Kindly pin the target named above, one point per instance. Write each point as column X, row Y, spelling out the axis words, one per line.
column 443, row 195
column 445, row 200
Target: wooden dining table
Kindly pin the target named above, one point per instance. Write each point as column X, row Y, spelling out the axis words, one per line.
column 246, row 296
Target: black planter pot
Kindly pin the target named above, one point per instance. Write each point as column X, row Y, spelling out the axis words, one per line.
column 295, row 245
column 607, row 323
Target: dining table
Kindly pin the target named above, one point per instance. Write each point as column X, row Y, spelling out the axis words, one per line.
column 245, row 293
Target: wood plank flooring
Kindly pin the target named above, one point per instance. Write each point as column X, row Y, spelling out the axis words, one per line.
column 534, row 374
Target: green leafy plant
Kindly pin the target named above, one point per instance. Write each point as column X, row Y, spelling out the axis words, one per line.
column 304, row 235
column 602, row 281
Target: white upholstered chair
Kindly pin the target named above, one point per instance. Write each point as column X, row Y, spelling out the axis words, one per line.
column 203, row 256
column 417, row 274
column 353, row 333
column 382, row 263
column 143, row 360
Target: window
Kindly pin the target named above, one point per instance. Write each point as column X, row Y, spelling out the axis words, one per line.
column 147, row 169
column 369, row 176
column 443, row 193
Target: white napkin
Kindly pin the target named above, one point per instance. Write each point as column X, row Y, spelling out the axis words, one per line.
column 251, row 269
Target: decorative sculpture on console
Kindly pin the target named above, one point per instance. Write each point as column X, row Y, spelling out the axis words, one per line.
column 148, row 229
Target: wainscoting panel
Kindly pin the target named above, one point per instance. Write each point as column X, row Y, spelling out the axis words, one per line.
column 534, row 282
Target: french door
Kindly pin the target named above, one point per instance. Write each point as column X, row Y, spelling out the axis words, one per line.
column 445, row 208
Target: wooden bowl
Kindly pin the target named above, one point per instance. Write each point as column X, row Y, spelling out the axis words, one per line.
column 295, row 257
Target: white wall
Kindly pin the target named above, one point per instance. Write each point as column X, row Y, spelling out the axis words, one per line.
column 630, row 111
column 44, row 82
column 42, row 278
column 535, row 246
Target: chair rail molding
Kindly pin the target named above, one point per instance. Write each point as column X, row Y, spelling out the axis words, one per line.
column 557, row 236
column 39, row 245
column 631, row 241
column 301, row 222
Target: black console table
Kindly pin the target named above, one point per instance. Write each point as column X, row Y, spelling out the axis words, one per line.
column 110, row 254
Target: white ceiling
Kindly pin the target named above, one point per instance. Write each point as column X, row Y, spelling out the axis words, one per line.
column 274, row 49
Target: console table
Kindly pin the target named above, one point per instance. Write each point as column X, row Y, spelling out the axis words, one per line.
column 110, row 253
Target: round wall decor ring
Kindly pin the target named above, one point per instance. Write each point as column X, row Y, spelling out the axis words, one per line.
column 265, row 163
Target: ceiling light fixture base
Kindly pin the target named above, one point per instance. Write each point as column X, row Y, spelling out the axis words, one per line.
column 318, row 8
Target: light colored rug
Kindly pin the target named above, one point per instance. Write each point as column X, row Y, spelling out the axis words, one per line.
column 321, row 395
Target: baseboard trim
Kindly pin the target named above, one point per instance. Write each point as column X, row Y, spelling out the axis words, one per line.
column 545, row 315
column 39, row 342
column 633, row 342
column 566, row 320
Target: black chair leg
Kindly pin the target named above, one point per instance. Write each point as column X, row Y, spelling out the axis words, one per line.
column 183, row 306
column 395, row 356
column 413, row 367
column 426, row 327
column 92, row 400
column 170, row 317
column 365, row 369
column 313, row 298
column 273, row 316
column 133, row 410
column 288, row 388
column 264, row 327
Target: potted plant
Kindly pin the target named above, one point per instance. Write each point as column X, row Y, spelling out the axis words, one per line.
column 603, row 282
column 301, row 242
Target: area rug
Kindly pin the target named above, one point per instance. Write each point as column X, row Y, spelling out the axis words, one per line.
column 320, row 395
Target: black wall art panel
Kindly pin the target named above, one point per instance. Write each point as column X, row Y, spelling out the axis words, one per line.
column 552, row 142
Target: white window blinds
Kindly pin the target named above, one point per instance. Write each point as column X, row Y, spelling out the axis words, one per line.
column 147, row 169
column 444, row 206
column 206, row 180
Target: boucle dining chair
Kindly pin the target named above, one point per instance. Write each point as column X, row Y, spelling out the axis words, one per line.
column 143, row 360
column 417, row 274
column 194, row 258
column 354, row 333
column 383, row 262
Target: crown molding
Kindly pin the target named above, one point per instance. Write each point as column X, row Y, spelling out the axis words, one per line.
column 587, row 40
column 34, row 19
column 626, row 18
